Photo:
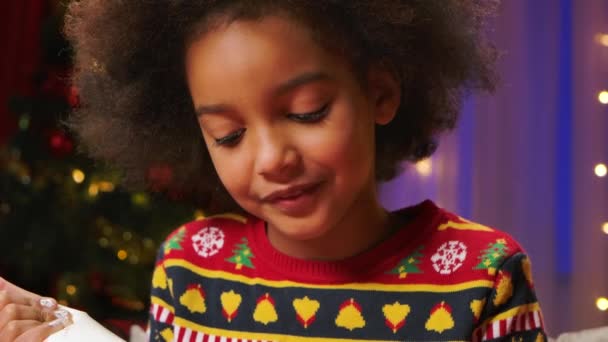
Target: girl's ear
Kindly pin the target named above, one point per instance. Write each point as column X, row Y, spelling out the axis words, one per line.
column 384, row 88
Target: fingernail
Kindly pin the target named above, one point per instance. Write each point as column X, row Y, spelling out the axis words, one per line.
column 48, row 302
column 63, row 318
column 60, row 322
column 61, row 313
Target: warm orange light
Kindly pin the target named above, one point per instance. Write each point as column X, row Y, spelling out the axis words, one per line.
column 106, row 186
column 602, row 39
column 78, row 176
column 93, row 190
column 71, row 290
column 424, row 167
column 199, row 214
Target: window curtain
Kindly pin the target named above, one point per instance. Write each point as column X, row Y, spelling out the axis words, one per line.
column 523, row 159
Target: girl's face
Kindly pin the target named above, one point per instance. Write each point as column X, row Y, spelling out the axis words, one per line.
column 289, row 129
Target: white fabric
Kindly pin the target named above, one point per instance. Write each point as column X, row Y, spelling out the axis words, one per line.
column 84, row 328
column 589, row 335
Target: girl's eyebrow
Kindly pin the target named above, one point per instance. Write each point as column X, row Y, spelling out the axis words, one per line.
column 299, row 80
column 307, row 77
column 217, row 108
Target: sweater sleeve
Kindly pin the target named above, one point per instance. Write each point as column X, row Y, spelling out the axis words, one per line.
column 511, row 311
column 160, row 327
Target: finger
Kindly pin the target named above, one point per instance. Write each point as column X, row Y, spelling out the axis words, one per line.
column 8, row 298
column 15, row 312
column 42, row 303
column 15, row 290
column 18, row 312
column 10, row 293
column 44, row 330
column 16, row 328
column 11, row 305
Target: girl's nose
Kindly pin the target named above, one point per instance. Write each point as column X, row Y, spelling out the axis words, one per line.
column 277, row 159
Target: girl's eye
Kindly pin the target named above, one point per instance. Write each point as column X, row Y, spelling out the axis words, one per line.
column 231, row 139
column 311, row 117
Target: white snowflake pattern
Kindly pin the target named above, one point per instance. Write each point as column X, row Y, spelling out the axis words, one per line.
column 449, row 257
column 208, row 241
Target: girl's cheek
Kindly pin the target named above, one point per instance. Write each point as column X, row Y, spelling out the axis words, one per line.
column 234, row 170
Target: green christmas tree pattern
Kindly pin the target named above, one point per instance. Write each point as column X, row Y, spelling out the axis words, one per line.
column 493, row 256
column 408, row 264
column 242, row 255
column 175, row 241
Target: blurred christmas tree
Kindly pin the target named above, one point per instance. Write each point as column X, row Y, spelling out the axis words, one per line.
column 67, row 229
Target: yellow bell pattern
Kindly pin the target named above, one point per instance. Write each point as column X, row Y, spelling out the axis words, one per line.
column 264, row 311
column 306, row 309
column 395, row 315
column 349, row 316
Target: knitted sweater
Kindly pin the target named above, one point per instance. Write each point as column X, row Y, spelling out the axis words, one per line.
column 439, row 277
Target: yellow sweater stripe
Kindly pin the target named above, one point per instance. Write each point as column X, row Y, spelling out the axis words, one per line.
column 216, row 274
column 247, row 335
column 516, row 311
column 160, row 302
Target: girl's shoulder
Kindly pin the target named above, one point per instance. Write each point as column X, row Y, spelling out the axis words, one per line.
column 478, row 237
column 446, row 247
column 438, row 229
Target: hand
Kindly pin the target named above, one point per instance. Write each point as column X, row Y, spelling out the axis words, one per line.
column 27, row 317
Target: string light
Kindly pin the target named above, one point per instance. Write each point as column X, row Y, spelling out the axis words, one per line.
column 148, row 243
column 140, row 199
column 71, row 290
column 602, row 303
column 199, row 214
column 24, row 122
column 133, row 259
column 424, row 167
column 600, row 170
column 93, row 190
column 107, row 230
column 603, row 97
column 127, row 236
column 78, row 176
column 122, row 254
column 103, row 242
column 106, row 186
column 135, row 305
column 602, row 39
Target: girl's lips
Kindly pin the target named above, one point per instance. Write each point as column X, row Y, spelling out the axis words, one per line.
column 297, row 201
column 291, row 191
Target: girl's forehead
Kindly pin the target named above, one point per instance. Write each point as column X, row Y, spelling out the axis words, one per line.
column 270, row 35
column 263, row 53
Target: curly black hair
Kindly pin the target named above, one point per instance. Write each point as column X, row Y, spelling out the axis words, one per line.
column 136, row 111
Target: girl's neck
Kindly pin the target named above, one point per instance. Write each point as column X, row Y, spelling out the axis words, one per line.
column 366, row 224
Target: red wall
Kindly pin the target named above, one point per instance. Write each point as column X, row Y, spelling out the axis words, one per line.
column 20, row 22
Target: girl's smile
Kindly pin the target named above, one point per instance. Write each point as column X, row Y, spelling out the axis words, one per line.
column 296, row 200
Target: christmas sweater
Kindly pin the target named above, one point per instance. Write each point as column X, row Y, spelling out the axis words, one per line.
column 439, row 277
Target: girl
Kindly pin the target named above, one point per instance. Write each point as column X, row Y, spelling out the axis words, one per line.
column 287, row 114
